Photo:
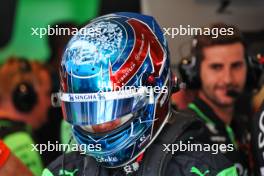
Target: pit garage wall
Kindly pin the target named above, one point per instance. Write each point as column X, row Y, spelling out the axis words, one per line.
column 248, row 15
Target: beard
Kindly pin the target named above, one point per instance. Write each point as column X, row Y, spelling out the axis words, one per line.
column 222, row 100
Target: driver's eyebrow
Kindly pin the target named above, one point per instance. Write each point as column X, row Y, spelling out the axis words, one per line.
column 216, row 66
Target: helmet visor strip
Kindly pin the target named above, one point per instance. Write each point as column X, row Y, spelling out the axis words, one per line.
column 102, row 107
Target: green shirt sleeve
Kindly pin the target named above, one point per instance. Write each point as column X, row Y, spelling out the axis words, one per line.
column 20, row 143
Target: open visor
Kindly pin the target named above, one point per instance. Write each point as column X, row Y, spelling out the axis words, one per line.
column 99, row 108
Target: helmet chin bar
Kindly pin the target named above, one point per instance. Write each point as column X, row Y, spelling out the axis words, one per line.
column 147, row 134
column 143, row 150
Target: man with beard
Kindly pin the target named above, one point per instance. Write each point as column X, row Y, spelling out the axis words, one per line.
column 218, row 68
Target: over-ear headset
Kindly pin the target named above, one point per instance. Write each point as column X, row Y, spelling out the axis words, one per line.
column 24, row 96
column 189, row 68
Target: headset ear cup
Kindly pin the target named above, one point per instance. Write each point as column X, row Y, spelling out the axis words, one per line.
column 254, row 72
column 249, row 77
column 24, row 97
column 189, row 71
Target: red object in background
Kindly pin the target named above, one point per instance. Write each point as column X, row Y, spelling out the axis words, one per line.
column 261, row 60
column 4, row 153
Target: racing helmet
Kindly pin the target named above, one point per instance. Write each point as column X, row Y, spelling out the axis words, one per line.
column 116, row 86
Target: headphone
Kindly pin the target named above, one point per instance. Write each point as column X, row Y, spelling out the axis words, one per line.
column 189, row 69
column 24, row 96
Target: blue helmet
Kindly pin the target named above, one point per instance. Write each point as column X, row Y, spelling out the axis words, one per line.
column 116, row 86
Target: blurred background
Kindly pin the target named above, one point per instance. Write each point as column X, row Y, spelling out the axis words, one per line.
column 19, row 16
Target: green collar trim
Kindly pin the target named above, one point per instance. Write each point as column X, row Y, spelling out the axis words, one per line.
column 193, row 107
column 231, row 135
column 67, row 173
column 9, row 124
column 231, row 171
column 196, row 171
column 5, row 123
column 207, row 120
column 46, row 172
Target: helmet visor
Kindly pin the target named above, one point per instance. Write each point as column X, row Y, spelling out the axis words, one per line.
column 103, row 107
